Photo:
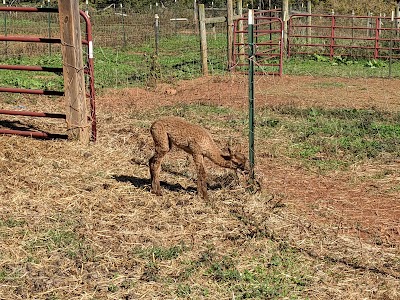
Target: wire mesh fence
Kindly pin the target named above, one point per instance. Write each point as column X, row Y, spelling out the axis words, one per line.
column 129, row 49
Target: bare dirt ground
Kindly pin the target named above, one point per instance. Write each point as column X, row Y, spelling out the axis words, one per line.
column 76, row 221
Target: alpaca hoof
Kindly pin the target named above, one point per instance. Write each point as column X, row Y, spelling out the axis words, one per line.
column 203, row 196
column 156, row 192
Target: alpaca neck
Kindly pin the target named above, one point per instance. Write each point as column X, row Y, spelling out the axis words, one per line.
column 218, row 159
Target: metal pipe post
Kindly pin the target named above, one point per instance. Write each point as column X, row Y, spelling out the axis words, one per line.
column 251, row 91
column 123, row 24
column 5, row 27
column 49, row 25
column 157, row 30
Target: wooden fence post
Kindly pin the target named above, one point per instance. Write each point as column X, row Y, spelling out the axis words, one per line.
column 203, row 39
column 73, row 70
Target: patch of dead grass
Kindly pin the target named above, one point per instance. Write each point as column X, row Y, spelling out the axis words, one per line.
column 79, row 222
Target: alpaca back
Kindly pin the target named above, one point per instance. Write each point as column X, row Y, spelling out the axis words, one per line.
column 187, row 136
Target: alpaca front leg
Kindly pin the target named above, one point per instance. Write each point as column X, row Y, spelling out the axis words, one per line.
column 155, row 168
column 201, row 177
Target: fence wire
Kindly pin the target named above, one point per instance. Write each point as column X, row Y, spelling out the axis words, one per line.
column 127, row 38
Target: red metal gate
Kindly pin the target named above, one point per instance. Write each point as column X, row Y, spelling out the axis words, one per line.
column 268, row 37
column 340, row 35
column 89, row 72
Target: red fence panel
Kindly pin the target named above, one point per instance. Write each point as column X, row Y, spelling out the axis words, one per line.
column 268, row 40
column 89, row 71
column 343, row 35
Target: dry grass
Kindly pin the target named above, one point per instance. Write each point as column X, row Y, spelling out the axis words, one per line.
column 79, row 222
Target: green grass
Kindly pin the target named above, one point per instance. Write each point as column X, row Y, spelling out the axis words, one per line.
column 11, row 223
column 340, row 67
column 178, row 59
column 279, row 272
column 160, row 253
column 62, row 240
column 326, row 138
column 319, row 137
column 333, row 137
column 32, row 80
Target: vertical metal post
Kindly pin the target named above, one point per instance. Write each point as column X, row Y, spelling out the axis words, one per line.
column 270, row 23
column 391, row 45
column 397, row 18
column 229, row 33
column 123, row 25
column 369, row 24
column 332, row 44
column 377, row 36
column 49, row 26
column 352, row 32
column 87, row 7
column 251, row 91
column 5, row 27
column 157, row 30
column 174, row 17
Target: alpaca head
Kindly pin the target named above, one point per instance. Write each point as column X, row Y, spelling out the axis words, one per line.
column 235, row 156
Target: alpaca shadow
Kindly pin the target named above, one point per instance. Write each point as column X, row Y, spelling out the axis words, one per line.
column 17, row 125
column 145, row 183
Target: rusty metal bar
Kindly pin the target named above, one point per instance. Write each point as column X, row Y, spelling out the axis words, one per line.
column 35, row 134
column 29, row 9
column 89, row 70
column 28, row 39
column 31, row 68
column 32, row 114
column 31, row 91
column 265, row 50
column 374, row 44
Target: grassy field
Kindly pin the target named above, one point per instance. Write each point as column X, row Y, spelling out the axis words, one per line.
column 179, row 59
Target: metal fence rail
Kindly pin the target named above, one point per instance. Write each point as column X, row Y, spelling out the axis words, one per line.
column 268, row 55
column 334, row 35
column 89, row 71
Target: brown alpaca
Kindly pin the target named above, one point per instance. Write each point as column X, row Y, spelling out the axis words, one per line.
column 196, row 141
